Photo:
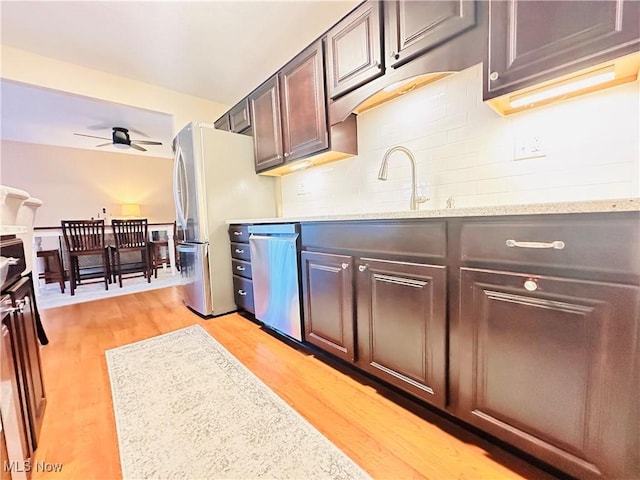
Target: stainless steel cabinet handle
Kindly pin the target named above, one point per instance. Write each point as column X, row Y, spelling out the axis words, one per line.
column 345, row 266
column 239, row 251
column 237, row 234
column 494, row 76
column 362, row 268
column 557, row 244
column 530, row 285
column 13, row 260
column 286, row 155
column 242, row 292
column 240, row 267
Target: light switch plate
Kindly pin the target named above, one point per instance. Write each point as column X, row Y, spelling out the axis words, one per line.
column 302, row 189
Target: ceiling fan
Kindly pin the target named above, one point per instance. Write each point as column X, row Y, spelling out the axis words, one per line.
column 120, row 138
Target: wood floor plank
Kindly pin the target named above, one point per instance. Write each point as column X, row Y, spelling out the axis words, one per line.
column 385, row 438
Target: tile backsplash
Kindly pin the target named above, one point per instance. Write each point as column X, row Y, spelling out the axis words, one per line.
column 465, row 152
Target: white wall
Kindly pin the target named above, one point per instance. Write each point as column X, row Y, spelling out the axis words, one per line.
column 465, row 150
column 76, row 183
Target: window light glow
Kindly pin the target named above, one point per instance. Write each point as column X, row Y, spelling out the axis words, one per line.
column 563, row 89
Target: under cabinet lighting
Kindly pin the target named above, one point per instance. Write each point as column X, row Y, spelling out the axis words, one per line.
column 301, row 165
column 569, row 86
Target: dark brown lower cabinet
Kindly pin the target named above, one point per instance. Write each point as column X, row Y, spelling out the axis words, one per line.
column 21, row 295
column 549, row 365
column 401, row 325
column 327, row 285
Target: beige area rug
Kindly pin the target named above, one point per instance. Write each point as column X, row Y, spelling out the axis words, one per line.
column 185, row 408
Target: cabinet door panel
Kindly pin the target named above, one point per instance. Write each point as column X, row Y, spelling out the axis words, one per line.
column 267, row 126
column 401, row 325
column 354, row 52
column 532, row 41
column 303, row 104
column 549, row 367
column 413, row 27
column 14, row 414
column 22, row 297
column 327, row 285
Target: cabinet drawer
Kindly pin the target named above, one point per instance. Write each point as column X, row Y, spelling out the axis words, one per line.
column 408, row 238
column 599, row 244
column 240, row 251
column 243, row 293
column 242, row 268
column 239, row 233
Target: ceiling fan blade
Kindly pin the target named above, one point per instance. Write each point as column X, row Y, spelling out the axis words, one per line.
column 137, row 147
column 146, row 142
column 104, row 144
column 92, row 136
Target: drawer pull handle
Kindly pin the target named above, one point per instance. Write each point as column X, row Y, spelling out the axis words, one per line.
column 242, row 292
column 240, row 267
column 362, row 268
column 237, row 234
column 239, row 251
column 530, row 285
column 557, row 244
column 345, row 266
column 13, row 261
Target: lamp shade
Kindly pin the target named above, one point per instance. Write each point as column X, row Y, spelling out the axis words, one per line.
column 130, row 210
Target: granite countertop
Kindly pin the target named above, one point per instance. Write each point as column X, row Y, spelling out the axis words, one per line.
column 592, row 206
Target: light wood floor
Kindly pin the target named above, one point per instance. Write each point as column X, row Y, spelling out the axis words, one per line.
column 385, row 439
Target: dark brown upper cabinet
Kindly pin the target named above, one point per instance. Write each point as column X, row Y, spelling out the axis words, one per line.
column 223, row 123
column 534, row 41
column 303, row 103
column 289, row 116
column 239, row 118
column 413, row 28
column 267, row 126
column 422, row 42
column 236, row 120
column 354, row 50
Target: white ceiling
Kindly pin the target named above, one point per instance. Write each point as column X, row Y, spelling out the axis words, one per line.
column 217, row 50
column 38, row 115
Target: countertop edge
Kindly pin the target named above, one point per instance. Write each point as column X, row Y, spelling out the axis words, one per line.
column 594, row 206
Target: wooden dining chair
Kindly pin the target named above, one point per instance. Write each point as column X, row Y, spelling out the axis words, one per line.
column 84, row 237
column 159, row 245
column 131, row 236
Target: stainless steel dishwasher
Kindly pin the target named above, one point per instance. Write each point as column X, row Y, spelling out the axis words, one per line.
column 276, row 280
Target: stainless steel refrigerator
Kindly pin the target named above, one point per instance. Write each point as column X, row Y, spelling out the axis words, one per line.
column 214, row 180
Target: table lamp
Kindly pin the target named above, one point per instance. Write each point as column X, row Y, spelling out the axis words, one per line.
column 130, row 210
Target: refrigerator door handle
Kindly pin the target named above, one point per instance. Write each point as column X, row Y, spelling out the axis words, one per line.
column 178, row 173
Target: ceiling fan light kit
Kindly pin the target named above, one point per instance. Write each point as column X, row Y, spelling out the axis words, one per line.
column 120, row 139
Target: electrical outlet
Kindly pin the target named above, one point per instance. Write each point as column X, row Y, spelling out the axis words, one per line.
column 302, row 189
column 528, row 146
